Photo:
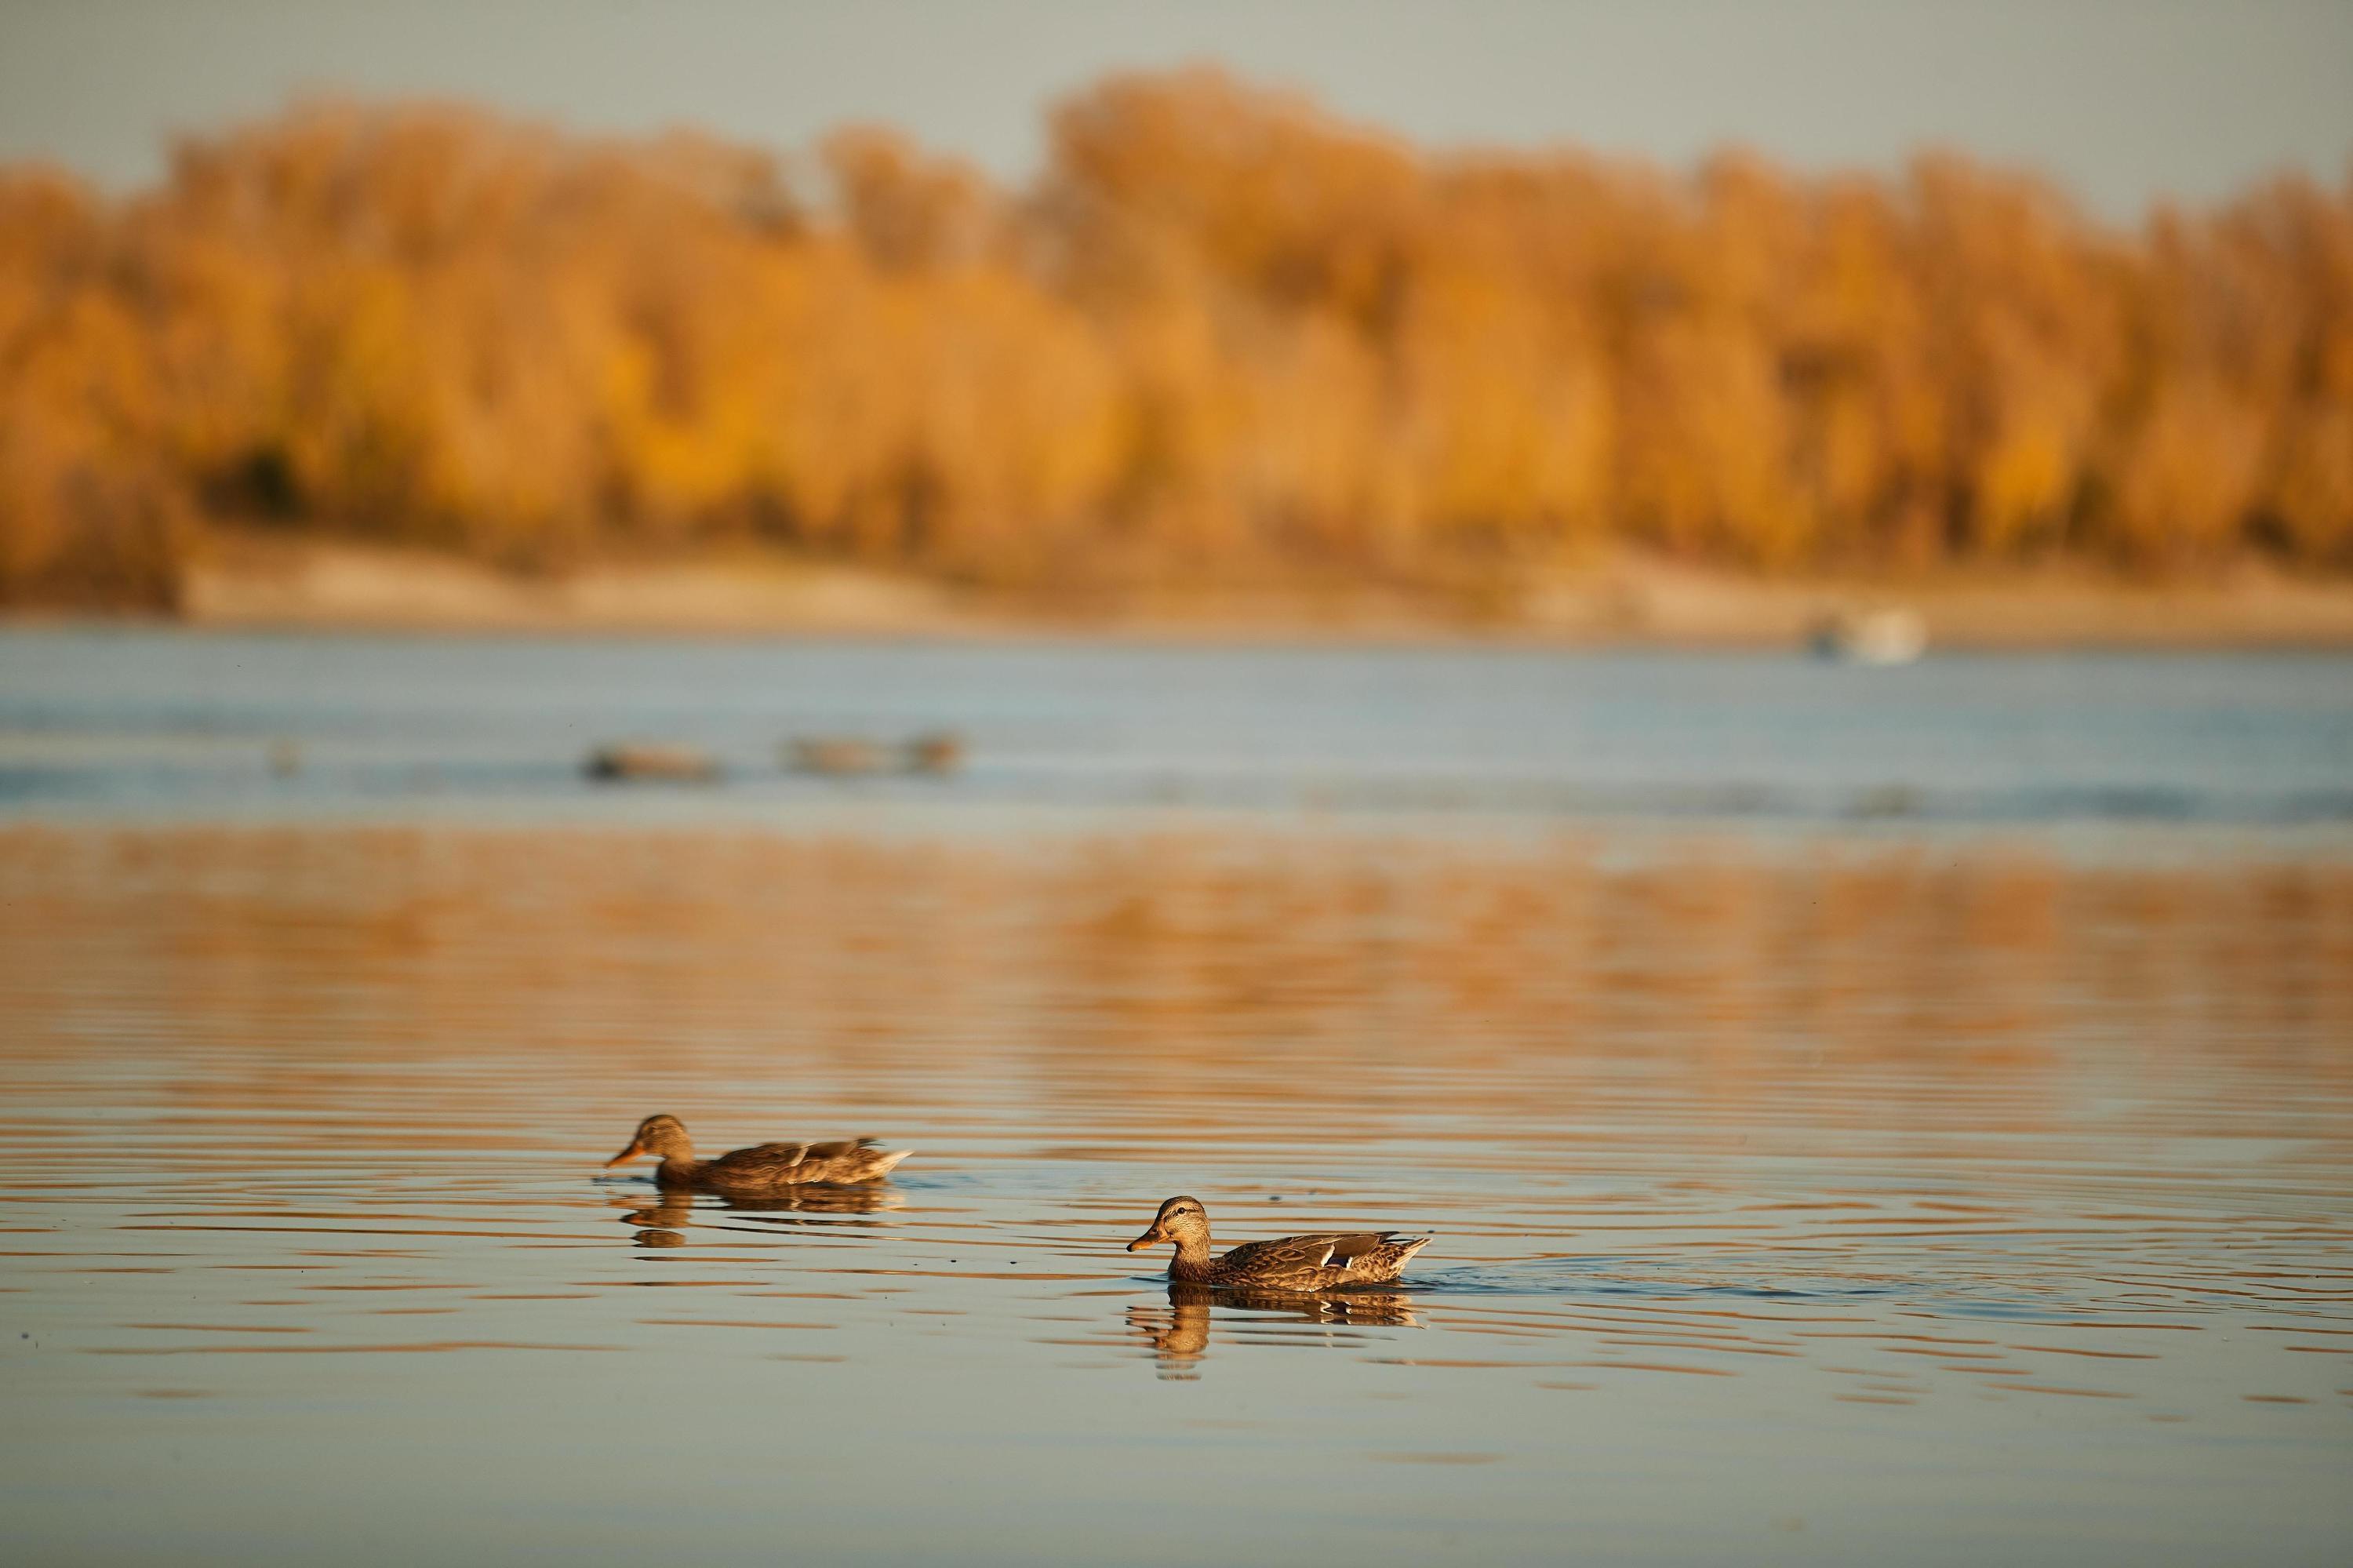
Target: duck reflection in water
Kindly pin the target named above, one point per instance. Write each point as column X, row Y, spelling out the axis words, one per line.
column 1179, row 1332
column 664, row 1223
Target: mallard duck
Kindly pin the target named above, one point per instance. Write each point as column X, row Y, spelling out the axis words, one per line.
column 630, row 761
column 765, row 1167
column 838, row 755
column 1291, row 1263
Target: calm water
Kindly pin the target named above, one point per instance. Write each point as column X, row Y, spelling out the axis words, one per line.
column 1865, row 1115
column 186, row 724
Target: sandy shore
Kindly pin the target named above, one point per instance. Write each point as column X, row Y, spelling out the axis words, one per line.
column 278, row 583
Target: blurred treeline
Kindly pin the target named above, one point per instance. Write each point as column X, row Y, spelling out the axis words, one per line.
column 1222, row 336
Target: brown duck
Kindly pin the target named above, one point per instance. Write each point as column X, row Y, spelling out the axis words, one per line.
column 763, row 1168
column 1292, row 1263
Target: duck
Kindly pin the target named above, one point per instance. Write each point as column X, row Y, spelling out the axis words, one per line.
column 762, row 1169
column 1292, row 1263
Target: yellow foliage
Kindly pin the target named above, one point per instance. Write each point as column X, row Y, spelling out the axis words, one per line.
column 1224, row 332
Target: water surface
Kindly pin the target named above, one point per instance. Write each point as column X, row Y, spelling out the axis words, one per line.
column 160, row 723
column 1805, row 1190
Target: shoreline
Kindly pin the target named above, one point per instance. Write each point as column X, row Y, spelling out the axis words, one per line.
column 1623, row 601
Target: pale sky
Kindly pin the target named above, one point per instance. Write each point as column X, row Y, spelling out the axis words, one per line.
column 2120, row 101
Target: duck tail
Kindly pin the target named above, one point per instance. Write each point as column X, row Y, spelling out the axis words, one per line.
column 885, row 1164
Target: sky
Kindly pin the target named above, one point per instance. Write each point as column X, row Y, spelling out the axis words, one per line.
column 2121, row 102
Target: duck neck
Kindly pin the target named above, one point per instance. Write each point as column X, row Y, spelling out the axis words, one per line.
column 1192, row 1260
column 678, row 1169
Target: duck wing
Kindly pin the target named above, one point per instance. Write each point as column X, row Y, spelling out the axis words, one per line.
column 1323, row 1260
column 1347, row 1249
column 769, row 1161
column 1287, row 1254
column 840, row 1148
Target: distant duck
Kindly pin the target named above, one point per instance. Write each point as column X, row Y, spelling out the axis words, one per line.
column 765, row 1167
column 1889, row 635
column 1324, row 1262
column 940, row 753
column 839, row 756
column 632, row 760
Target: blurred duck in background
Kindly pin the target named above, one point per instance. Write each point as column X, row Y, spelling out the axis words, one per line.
column 763, row 1168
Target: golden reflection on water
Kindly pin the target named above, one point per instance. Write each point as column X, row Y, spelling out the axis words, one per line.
column 1266, row 996
column 1710, row 1131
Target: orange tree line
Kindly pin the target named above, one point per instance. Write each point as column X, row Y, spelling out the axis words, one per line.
column 1221, row 333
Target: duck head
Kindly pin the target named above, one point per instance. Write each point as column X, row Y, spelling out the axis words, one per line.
column 1180, row 1220
column 663, row 1137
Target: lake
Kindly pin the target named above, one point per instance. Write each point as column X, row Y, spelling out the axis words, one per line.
column 1863, row 1115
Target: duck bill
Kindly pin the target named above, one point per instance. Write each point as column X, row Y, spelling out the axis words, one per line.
column 624, row 1157
column 1146, row 1239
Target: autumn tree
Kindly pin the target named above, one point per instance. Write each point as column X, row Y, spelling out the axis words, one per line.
column 1224, row 334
